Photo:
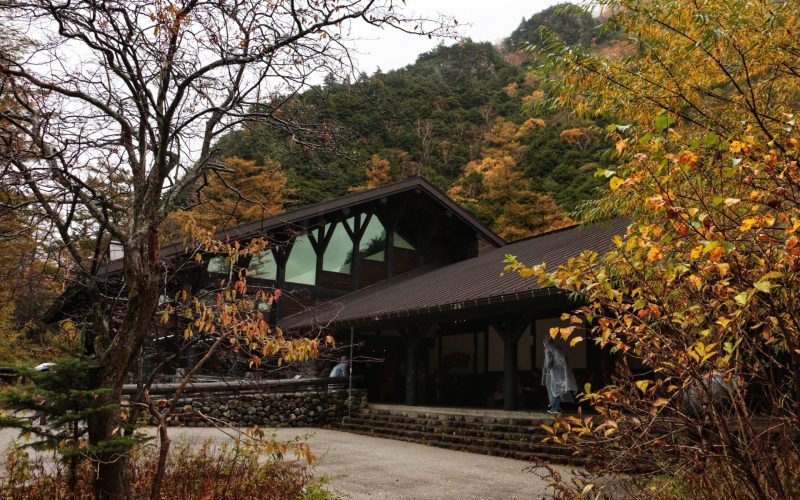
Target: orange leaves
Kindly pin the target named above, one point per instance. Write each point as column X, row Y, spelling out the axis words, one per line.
column 654, row 253
column 716, row 254
column 737, row 147
column 688, row 158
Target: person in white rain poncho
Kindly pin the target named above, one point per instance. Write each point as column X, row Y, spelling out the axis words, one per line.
column 556, row 376
column 340, row 370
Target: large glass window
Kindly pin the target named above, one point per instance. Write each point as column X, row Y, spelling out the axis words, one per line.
column 373, row 242
column 301, row 267
column 400, row 242
column 221, row 264
column 263, row 266
column 338, row 256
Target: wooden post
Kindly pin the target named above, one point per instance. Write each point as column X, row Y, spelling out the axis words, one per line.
column 413, row 337
column 510, row 331
column 411, row 372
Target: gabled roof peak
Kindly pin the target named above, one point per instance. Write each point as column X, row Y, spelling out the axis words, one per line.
column 316, row 210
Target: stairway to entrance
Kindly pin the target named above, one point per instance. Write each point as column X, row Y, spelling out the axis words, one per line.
column 490, row 432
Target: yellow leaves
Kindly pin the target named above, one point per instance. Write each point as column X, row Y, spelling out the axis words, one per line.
column 696, row 281
column 723, row 269
column 615, row 183
column 660, row 402
column 737, row 147
column 763, row 286
column 642, row 385
column 654, row 253
column 563, row 332
column 165, row 316
column 741, row 298
column 748, row 224
column 622, row 145
column 711, row 246
column 696, row 252
column 702, row 352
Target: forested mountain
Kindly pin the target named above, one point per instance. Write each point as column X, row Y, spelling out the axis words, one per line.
column 455, row 116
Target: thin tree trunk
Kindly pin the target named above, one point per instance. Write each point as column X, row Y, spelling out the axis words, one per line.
column 163, row 434
column 163, row 448
column 112, row 468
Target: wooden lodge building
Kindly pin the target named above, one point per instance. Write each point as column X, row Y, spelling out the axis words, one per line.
column 416, row 281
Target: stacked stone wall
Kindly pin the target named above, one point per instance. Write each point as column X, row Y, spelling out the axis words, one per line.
column 289, row 409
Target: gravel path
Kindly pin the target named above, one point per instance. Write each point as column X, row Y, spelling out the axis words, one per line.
column 363, row 467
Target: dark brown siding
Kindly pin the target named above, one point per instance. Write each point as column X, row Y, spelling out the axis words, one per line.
column 405, row 260
column 370, row 272
column 336, row 281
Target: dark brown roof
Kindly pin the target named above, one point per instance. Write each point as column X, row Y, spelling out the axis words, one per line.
column 463, row 284
column 298, row 215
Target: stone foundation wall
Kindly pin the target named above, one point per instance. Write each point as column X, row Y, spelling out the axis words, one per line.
column 291, row 409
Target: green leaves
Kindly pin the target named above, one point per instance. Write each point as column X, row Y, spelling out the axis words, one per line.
column 663, row 122
column 763, row 286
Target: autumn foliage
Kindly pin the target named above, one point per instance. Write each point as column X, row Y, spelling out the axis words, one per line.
column 698, row 300
column 494, row 184
column 240, row 191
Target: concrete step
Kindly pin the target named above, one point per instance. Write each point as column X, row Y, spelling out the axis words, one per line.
column 527, row 444
column 456, row 417
column 517, row 454
column 489, row 424
column 516, row 435
column 508, row 433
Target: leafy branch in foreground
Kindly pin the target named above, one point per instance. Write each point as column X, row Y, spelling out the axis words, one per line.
column 702, row 290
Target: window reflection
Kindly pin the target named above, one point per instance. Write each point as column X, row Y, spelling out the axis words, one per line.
column 219, row 264
column 301, row 267
column 400, row 242
column 263, row 266
column 373, row 242
column 338, row 257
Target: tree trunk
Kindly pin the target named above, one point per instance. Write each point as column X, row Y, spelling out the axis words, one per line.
column 112, row 467
column 163, row 452
column 116, row 350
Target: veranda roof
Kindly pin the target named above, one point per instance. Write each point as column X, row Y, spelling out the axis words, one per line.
column 462, row 285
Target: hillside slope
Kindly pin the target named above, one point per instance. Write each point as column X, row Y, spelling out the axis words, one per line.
column 455, row 116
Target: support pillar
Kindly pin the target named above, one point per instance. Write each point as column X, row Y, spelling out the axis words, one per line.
column 510, row 331
column 411, row 373
column 413, row 338
column 510, row 372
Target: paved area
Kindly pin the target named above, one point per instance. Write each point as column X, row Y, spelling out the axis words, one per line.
column 363, row 467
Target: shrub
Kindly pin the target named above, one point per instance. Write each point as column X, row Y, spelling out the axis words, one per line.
column 193, row 471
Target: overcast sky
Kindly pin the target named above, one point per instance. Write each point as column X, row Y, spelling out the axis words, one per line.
column 481, row 20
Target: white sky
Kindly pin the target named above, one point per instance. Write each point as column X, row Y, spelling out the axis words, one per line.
column 480, row 20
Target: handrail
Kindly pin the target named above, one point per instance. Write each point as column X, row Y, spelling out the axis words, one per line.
column 242, row 385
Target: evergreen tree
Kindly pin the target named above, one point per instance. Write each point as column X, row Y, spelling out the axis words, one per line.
column 53, row 406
